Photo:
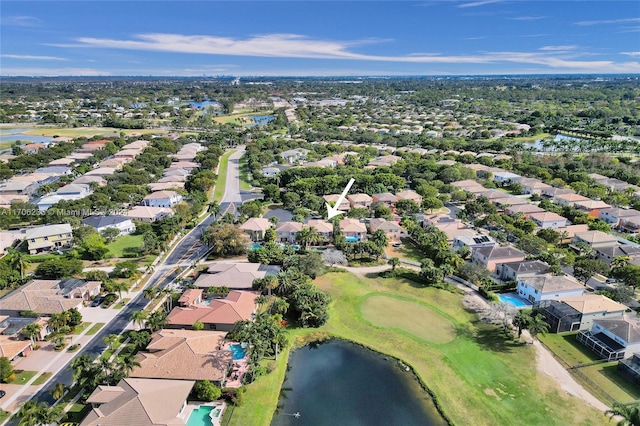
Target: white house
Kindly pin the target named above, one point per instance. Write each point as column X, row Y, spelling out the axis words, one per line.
column 74, row 189
column 162, row 199
column 537, row 288
column 473, row 241
column 505, row 177
column 100, row 223
column 614, row 215
column 548, row 220
column 612, row 339
column 270, row 171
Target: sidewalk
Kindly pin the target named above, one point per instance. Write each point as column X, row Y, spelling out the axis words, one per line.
column 42, row 360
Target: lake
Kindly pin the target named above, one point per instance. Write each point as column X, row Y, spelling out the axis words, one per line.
column 340, row 383
column 203, row 104
column 260, row 120
column 14, row 134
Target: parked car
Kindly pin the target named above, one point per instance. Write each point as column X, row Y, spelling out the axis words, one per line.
column 97, row 301
column 2, row 393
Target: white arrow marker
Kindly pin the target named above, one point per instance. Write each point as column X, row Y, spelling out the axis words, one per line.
column 333, row 211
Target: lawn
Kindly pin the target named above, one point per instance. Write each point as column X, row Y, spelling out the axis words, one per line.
column 568, row 349
column 221, row 181
column 244, row 175
column 77, row 413
column 407, row 250
column 615, row 385
column 96, row 327
column 23, row 376
column 118, row 246
column 121, row 303
column 80, row 328
column 416, row 319
column 42, row 378
column 478, row 378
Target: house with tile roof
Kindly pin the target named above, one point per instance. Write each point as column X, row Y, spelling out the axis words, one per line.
column 578, row 312
column 391, row 229
column 49, row 296
column 614, row 215
column 255, row 227
column 148, row 214
column 594, row 239
column 237, row 275
column 489, row 257
column 511, row 271
column 360, row 201
column 218, row 314
column 565, row 200
column 353, row 228
column 591, row 207
column 409, row 195
column 288, row 231
column 536, row 288
column 524, row 209
column 612, row 339
column 139, row 402
column 386, row 198
column 548, row 220
column 323, row 228
column 166, row 199
column 332, row 199
column 185, row 355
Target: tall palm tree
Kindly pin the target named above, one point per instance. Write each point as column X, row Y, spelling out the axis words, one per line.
column 110, row 340
column 139, row 317
column 169, row 292
column 120, row 286
column 394, row 262
column 150, row 293
column 214, row 209
column 308, row 236
column 537, row 325
column 31, row 331
column 270, row 282
column 128, row 364
column 156, row 321
column 18, row 260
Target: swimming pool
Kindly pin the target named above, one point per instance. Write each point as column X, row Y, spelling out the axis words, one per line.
column 351, row 239
column 256, row 246
column 238, row 350
column 514, row 299
column 201, row 416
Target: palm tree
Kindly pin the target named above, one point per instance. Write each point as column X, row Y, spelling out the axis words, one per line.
column 522, row 321
column 18, row 260
column 620, row 261
column 31, row 331
column 156, row 321
column 119, row 286
column 128, row 364
column 394, row 262
column 58, row 391
column 150, row 293
column 446, row 270
column 308, row 236
column 214, row 209
column 270, row 282
column 537, row 325
column 139, row 317
column 169, row 294
column 630, row 414
column 110, row 340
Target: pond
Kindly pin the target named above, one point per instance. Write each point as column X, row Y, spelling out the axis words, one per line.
column 203, row 104
column 341, row 383
column 260, row 120
column 14, row 134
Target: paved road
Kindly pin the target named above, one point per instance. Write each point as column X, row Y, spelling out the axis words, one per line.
column 186, row 252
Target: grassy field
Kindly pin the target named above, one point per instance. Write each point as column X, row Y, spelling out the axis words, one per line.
column 221, row 181
column 401, row 315
column 479, row 378
column 567, row 348
column 86, row 131
column 96, row 327
column 118, row 246
column 240, row 117
column 407, row 251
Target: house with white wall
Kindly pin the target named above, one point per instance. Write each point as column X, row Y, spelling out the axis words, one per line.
column 536, row 288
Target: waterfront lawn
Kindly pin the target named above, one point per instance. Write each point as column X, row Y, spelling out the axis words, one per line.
column 118, row 246
column 221, row 181
column 568, row 349
column 479, row 378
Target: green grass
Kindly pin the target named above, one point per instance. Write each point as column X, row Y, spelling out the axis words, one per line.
column 221, row 181
column 608, row 379
column 121, row 303
column 4, row 415
column 407, row 250
column 77, row 413
column 96, row 327
column 23, row 376
column 416, row 319
column 479, row 378
column 42, row 378
column 117, row 246
column 568, row 349
column 81, row 327
column 6, row 145
column 244, row 175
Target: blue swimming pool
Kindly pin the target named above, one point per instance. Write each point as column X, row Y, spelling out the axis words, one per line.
column 238, row 350
column 255, row 246
column 351, row 239
column 200, row 416
column 514, row 299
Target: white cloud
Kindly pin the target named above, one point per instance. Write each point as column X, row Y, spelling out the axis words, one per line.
column 559, row 48
column 53, row 72
column 608, row 21
column 527, row 18
column 21, row 21
column 477, row 3
column 297, row 46
column 634, row 54
column 33, row 57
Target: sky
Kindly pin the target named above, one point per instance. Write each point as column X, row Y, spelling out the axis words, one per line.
column 318, row 38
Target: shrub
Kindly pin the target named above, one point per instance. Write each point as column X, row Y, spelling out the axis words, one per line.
column 109, row 299
column 206, row 391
